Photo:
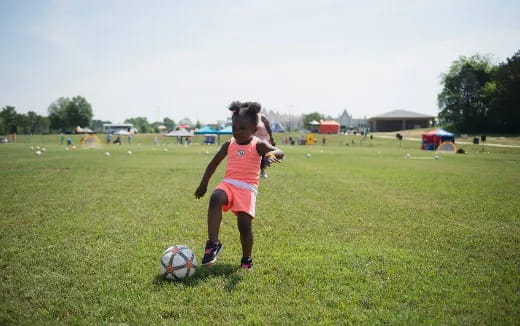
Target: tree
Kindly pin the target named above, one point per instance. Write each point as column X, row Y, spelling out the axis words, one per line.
column 311, row 117
column 169, row 123
column 35, row 123
column 9, row 118
column 79, row 112
column 65, row 113
column 505, row 114
column 468, row 89
column 141, row 124
column 57, row 114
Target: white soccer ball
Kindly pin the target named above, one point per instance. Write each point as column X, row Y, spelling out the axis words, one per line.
column 166, row 149
column 129, row 152
column 436, row 157
column 32, row 148
column 206, row 152
column 44, row 149
column 107, row 154
column 407, row 156
column 308, row 155
column 178, row 262
column 38, row 153
column 37, row 147
column 66, row 148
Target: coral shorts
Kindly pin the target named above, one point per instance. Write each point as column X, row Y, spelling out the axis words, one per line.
column 239, row 199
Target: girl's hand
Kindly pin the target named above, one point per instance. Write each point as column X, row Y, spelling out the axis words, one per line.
column 201, row 190
column 271, row 158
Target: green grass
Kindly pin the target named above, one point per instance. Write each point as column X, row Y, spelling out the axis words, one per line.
column 352, row 235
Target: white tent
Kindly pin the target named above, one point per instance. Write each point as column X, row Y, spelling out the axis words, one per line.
column 179, row 133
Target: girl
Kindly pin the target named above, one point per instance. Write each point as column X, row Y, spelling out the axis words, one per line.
column 263, row 132
column 237, row 191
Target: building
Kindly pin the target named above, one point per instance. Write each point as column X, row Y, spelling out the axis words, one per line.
column 346, row 122
column 400, row 120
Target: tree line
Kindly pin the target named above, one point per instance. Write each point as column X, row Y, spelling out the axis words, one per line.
column 65, row 114
column 478, row 96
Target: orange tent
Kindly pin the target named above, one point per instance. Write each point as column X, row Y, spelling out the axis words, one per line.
column 329, row 127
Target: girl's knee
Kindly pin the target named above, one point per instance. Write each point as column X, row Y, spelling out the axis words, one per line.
column 218, row 197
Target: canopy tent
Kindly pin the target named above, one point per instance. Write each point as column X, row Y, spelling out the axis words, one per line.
column 225, row 131
column 432, row 139
column 179, row 133
column 314, row 123
column 206, row 130
column 329, row 127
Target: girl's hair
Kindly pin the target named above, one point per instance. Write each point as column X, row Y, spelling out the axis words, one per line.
column 249, row 109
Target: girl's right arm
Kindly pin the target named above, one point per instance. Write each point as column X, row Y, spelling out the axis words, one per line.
column 212, row 166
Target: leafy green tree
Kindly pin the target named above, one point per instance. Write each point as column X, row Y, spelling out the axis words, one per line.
column 9, row 117
column 505, row 114
column 58, row 115
column 67, row 113
column 141, row 124
column 468, row 88
column 35, row 123
column 169, row 123
column 79, row 112
column 311, row 117
column 2, row 127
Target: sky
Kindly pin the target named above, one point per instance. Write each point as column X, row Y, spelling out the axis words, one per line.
column 180, row 59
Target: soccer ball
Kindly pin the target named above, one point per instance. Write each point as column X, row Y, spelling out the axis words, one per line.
column 38, row 153
column 308, row 155
column 107, row 154
column 178, row 262
column 129, row 152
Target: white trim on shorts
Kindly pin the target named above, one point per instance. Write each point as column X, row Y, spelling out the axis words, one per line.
column 242, row 185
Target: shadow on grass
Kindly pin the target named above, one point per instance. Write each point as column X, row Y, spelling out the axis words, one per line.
column 203, row 273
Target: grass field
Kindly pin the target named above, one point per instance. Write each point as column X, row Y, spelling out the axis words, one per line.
column 352, row 235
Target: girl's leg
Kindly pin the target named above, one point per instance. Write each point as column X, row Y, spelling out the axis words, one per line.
column 244, row 222
column 218, row 198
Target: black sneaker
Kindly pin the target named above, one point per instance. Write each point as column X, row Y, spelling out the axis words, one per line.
column 246, row 263
column 211, row 252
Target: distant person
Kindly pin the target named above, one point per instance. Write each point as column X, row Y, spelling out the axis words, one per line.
column 118, row 140
column 69, row 141
column 62, row 137
column 14, row 137
column 324, row 141
column 238, row 190
column 155, row 140
column 109, row 138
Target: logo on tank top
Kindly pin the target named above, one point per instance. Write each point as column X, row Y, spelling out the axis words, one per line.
column 241, row 153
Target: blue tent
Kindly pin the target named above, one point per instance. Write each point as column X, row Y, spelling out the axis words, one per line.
column 206, row 130
column 225, row 131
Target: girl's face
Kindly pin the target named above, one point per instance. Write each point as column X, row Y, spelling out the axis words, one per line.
column 243, row 129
